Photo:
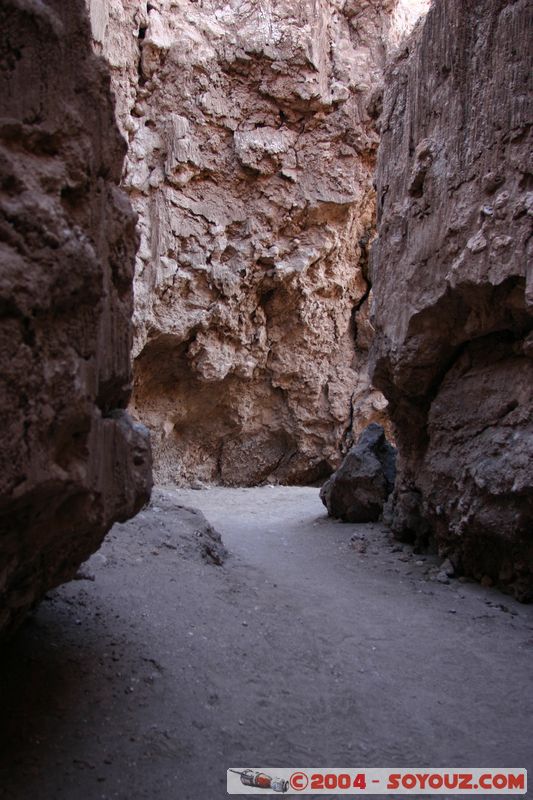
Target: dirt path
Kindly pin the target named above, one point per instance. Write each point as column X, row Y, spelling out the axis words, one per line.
column 302, row 650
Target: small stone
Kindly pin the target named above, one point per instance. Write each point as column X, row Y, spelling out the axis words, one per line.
column 441, row 577
column 359, row 542
column 448, row 568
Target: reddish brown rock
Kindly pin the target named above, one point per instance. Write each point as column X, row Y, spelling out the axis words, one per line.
column 72, row 462
column 251, row 153
column 453, row 286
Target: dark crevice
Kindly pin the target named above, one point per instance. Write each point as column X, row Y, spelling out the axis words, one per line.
column 365, row 272
column 347, row 440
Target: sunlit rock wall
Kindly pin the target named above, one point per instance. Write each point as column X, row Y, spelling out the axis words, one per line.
column 251, row 154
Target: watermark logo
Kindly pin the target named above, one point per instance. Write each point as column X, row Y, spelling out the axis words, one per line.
column 259, row 780
column 407, row 781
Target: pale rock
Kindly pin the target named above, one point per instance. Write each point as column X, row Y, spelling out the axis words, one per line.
column 250, row 165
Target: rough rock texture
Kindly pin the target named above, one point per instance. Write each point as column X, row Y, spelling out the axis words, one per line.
column 179, row 528
column 251, row 153
column 453, row 286
column 358, row 490
column 72, row 462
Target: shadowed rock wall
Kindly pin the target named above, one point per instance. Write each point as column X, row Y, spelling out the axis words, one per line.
column 250, row 161
column 71, row 461
column 452, row 279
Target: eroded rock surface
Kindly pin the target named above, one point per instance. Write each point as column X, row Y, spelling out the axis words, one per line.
column 179, row 527
column 358, row 490
column 72, row 462
column 453, row 286
column 251, row 152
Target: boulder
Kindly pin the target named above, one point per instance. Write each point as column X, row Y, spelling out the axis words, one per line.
column 357, row 491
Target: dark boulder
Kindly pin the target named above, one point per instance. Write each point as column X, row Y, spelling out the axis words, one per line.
column 357, row 491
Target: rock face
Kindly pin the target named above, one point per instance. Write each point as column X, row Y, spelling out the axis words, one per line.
column 357, row 491
column 72, row 462
column 453, row 287
column 251, row 153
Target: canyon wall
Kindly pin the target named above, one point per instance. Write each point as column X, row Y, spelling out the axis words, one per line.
column 453, row 283
column 72, row 462
column 251, row 155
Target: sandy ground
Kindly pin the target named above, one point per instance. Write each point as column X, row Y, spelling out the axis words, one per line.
column 159, row 670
